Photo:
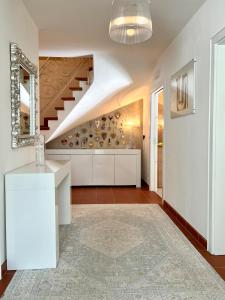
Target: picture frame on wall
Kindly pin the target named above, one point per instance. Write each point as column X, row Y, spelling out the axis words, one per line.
column 182, row 100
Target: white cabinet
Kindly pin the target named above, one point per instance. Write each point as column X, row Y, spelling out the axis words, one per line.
column 101, row 166
column 81, row 169
column 103, row 169
column 59, row 157
column 125, row 170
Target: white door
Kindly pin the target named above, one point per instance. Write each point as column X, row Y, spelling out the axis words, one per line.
column 125, row 170
column 103, row 170
column 81, row 170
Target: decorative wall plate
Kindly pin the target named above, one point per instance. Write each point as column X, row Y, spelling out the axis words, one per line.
column 113, row 135
column 64, row 142
column 91, row 144
column 104, row 135
column 117, row 115
column 97, row 123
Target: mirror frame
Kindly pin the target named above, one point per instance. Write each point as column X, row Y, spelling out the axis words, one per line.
column 18, row 58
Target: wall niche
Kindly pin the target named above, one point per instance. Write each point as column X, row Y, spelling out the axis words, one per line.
column 119, row 129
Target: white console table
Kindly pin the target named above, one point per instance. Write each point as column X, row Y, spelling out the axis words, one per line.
column 112, row 167
column 37, row 201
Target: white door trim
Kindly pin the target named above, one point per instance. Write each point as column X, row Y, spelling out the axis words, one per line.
column 154, row 140
column 216, row 192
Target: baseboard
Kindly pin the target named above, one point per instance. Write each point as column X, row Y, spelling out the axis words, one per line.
column 6, row 278
column 144, row 183
column 4, row 268
column 177, row 217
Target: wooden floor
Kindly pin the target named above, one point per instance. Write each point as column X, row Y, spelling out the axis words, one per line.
column 130, row 195
column 114, row 195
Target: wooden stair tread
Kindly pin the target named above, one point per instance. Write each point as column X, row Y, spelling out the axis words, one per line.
column 51, row 118
column 59, row 108
column 81, row 78
column 46, row 119
column 42, row 127
column 68, row 98
column 75, row 88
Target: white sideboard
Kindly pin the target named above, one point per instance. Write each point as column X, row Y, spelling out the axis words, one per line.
column 106, row 167
column 37, row 201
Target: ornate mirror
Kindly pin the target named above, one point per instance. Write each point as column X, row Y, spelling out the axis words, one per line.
column 23, row 98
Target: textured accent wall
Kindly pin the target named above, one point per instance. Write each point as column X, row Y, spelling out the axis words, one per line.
column 120, row 129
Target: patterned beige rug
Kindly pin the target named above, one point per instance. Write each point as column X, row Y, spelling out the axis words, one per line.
column 121, row 252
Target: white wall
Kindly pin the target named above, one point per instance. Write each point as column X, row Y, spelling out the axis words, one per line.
column 187, row 138
column 16, row 26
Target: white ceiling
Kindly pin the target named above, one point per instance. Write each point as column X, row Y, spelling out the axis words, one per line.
column 67, row 26
column 78, row 27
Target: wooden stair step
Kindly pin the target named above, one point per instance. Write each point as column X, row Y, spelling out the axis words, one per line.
column 46, row 119
column 81, row 78
column 68, row 98
column 42, row 127
column 59, row 108
column 75, row 88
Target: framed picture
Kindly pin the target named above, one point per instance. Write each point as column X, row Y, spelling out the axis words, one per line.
column 183, row 91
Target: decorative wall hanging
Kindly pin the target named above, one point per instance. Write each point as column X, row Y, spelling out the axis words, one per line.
column 113, row 130
column 183, row 91
column 40, row 149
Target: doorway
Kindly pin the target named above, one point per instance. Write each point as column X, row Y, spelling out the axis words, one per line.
column 157, row 142
column 216, row 206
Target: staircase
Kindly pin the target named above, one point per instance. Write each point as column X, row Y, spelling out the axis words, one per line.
column 64, row 97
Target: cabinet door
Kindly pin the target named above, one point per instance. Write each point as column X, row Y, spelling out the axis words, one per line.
column 58, row 157
column 103, row 170
column 125, row 170
column 81, row 170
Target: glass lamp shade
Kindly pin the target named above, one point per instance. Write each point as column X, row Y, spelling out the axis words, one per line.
column 131, row 21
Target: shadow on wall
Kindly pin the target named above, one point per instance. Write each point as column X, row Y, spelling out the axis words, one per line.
column 119, row 129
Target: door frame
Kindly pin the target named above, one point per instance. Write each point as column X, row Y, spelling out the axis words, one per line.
column 153, row 184
column 216, row 189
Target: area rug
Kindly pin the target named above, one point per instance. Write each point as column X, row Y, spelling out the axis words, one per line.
column 121, row 252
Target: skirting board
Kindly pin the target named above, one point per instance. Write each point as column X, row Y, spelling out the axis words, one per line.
column 6, row 278
column 176, row 216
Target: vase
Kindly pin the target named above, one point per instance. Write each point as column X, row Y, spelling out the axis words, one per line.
column 40, row 149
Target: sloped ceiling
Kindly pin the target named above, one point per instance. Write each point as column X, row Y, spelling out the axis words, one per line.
column 122, row 73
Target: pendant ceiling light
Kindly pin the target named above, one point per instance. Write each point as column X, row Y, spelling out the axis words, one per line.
column 131, row 21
